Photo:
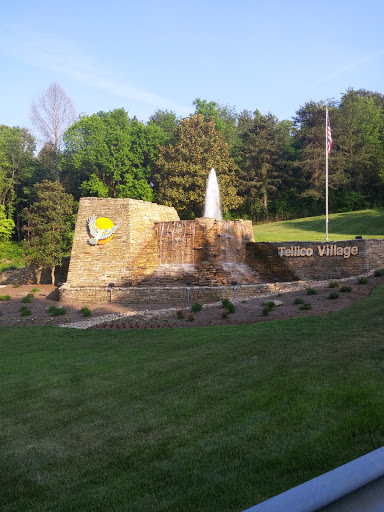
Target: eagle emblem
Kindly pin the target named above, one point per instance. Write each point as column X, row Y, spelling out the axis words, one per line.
column 100, row 230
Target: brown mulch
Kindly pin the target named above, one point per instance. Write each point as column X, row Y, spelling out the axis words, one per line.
column 248, row 311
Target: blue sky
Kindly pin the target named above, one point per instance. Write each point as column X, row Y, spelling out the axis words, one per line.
column 146, row 55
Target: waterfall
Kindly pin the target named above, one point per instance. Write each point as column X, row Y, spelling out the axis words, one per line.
column 212, row 207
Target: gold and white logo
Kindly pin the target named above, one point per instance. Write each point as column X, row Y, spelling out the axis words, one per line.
column 101, row 230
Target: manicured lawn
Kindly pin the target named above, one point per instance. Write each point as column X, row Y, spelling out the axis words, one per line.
column 186, row 419
column 341, row 226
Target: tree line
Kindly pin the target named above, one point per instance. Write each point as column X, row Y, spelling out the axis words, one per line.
column 267, row 169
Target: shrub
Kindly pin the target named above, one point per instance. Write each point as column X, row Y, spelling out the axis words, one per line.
column 35, row 290
column 299, row 301
column 228, row 305
column 9, row 267
column 379, row 273
column 26, row 299
column 346, row 289
column 55, row 311
column 225, row 302
column 25, row 311
column 363, row 280
column 224, row 313
column 0, row 313
column 311, row 291
column 266, row 310
column 85, row 311
column 270, row 304
column 5, row 297
column 196, row 307
column 180, row 314
column 306, row 306
column 191, row 317
column 333, row 295
column 334, row 284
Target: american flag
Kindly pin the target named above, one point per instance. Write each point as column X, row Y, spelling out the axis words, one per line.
column 329, row 137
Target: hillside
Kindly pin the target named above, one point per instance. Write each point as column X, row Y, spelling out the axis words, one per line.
column 342, row 226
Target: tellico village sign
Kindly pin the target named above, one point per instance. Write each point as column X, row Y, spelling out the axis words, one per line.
column 322, row 250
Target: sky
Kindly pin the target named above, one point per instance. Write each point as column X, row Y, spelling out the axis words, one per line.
column 146, row 55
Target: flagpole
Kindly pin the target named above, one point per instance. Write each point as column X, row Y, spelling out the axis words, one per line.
column 326, row 173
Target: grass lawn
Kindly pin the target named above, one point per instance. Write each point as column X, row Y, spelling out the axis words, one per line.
column 341, row 226
column 193, row 419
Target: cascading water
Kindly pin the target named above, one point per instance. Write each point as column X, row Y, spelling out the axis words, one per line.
column 212, row 207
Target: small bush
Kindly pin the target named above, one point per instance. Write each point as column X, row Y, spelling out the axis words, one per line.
column 311, row 291
column 35, row 290
column 1, row 313
column 379, row 273
column 225, row 302
column 224, row 314
column 363, row 280
column 16, row 286
column 180, row 314
column 334, row 284
column 55, row 311
column 196, row 307
column 306, row 307
column 270, row 304
column 85, row 311
column 9, row 267
column 346, row 289
column 299, row 301
column 228, row 305
column 25, row 311
column 266, row 310
column 26, row 299
column 191, row 317
column 5, row 297
column 333, row 295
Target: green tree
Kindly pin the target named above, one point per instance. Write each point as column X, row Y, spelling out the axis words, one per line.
column 109, row 155
column 225, row 118
column 17, row 167
column 167, row 121
column 183, row 167
column 49, row 227
column 6, row 225
column 263, row 156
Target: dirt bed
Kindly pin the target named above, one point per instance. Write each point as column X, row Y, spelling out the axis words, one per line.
column 116, row 316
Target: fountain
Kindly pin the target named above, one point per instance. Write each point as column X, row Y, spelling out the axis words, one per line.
column 153, row 253
column 212, row 206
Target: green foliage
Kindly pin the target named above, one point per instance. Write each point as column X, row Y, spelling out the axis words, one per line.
column 11, row 255
column 334, row 284
column 25, row 311
column 85, row 311
column 56, row 311
column 109, row 155
column 363, row 280
column 35, row 290
column 180, row 314
column 334, row 295
column 6, row 225
column 266, row 310
column 183, row 167
column 228, row 305
column 306, row 307
column 270, row 304
column 5, row 297
column 49, row 225
column 310, row 291
column 379, row 273
column 196, row 307
column 27, row 299
column 346, row 289
column 299, row 300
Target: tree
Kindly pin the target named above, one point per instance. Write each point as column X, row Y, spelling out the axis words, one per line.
column 49, row 226
column 51, row 115
column 6, row 225
column 17, row 166
column 183, row 167
column 263, row 159
column 109, row 155
column 225, row 117
column 167, row 121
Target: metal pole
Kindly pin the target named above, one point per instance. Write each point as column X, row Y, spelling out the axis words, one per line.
column 326, row 173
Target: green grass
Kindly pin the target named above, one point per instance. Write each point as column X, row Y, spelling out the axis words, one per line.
column 198, row 419
column 342, row 226
column 11, row 256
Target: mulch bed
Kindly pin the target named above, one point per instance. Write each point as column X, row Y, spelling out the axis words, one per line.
column 248, row 311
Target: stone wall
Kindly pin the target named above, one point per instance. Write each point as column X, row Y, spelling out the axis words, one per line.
column 126, row 259
column 289, row 261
